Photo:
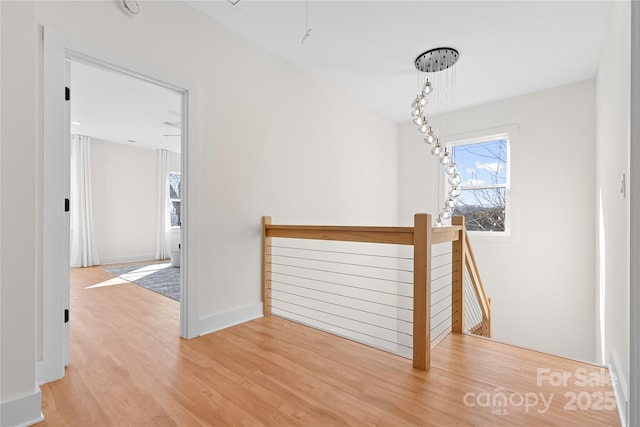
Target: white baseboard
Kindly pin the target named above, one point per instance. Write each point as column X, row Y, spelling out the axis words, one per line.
column 219, row 321
column 123, row 259
column 24, row 411
column 619, row 384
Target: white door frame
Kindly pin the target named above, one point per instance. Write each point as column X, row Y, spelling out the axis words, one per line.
column 633, row 415
column 57, row 48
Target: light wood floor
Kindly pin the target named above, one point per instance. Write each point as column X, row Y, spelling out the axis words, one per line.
column 129, row 368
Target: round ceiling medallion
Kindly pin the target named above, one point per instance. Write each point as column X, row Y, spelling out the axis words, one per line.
column 437, row 59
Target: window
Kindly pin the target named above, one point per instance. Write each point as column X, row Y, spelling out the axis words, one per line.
column 174, row 199
column 483, row 165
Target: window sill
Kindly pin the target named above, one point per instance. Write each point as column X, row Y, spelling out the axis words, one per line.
column 483, row 236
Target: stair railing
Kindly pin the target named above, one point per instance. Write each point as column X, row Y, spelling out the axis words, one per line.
column 465, row 274
column 422, row 236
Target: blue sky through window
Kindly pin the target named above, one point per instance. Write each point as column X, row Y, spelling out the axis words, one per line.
column 482, row 163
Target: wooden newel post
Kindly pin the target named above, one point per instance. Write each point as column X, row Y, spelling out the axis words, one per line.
column 266, row 267
column 422, row 291
column 457, row 277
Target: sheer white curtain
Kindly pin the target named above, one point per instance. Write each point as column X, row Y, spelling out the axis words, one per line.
column 163, row 244
column 83, row 244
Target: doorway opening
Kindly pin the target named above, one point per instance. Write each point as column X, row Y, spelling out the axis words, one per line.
column 125, row 177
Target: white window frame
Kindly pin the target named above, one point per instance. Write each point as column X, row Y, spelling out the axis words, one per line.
column 171, row 226
column 510, row 133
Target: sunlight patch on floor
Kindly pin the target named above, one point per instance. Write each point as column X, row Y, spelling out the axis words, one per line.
column 131, row 276
column 110, row 282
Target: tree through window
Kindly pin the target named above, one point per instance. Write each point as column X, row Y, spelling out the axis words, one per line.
column 484, row 169
column 174, row 199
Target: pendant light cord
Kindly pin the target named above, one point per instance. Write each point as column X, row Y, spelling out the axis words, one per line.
column 306, row 25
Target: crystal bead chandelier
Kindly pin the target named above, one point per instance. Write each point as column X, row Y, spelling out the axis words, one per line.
column 428, row 65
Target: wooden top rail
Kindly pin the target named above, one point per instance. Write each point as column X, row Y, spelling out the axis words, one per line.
column 390, row 235
column 445, row 234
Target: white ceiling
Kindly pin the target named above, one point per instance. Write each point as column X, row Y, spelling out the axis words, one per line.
column 367, row 48
column 119, row 108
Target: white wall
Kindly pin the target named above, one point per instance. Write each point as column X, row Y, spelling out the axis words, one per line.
column 541, row 282
column 612, row 153
column 273, row 140
column 125, row 200
column 19, row 247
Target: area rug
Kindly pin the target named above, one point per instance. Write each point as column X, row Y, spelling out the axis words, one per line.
column 160, row 278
